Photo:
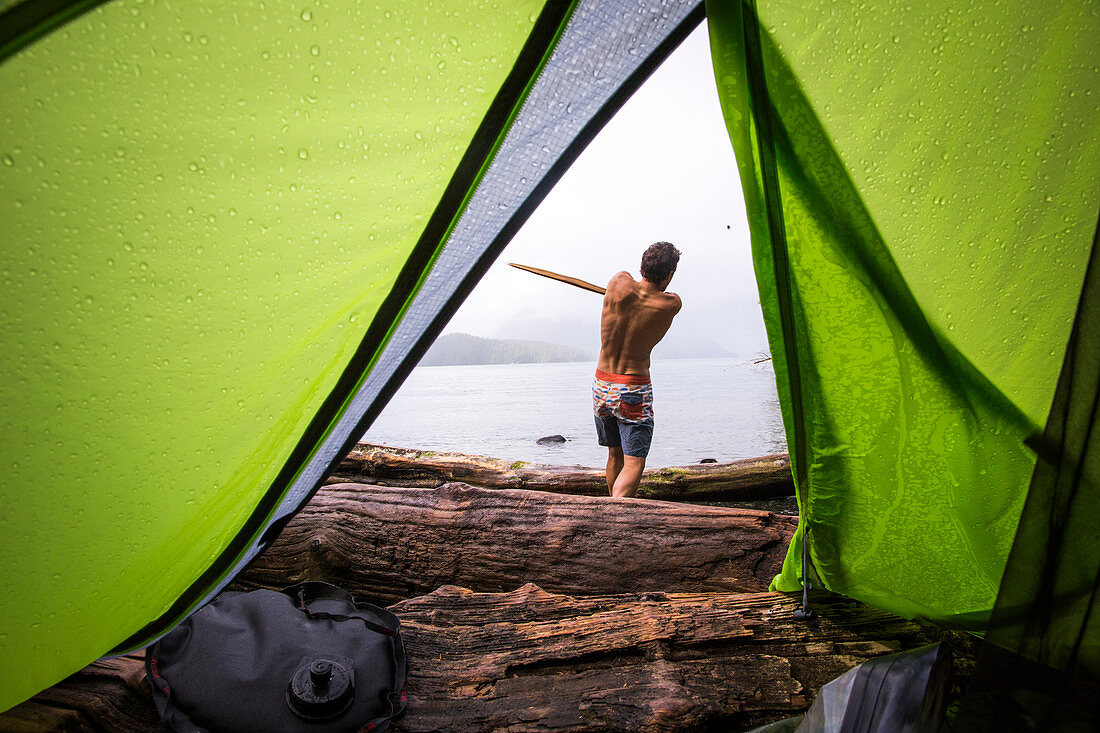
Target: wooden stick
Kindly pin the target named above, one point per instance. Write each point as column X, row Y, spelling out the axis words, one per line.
column 562, row 278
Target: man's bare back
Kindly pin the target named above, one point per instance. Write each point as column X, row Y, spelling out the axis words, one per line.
column 636, row 316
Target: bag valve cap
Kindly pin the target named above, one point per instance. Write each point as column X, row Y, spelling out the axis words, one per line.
column 321, row 689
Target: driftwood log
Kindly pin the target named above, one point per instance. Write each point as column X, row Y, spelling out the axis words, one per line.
column 642, row 633
column 745, row 480
column 529, row 660
column 389, row 544
column 535, row 661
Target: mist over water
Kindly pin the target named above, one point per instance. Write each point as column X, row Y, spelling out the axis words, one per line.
column 722, row 408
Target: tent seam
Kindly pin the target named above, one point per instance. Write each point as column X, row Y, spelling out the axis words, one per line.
column 24, row 23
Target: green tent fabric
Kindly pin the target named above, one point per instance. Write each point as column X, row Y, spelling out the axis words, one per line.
column 232, row 231
column 922, row 193
column 205, row 208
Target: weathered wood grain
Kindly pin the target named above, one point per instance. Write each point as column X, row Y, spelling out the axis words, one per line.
column 529, row 660
column 388, row 544
column 534, row 661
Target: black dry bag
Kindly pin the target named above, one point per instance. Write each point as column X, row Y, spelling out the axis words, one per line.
column 307, row 658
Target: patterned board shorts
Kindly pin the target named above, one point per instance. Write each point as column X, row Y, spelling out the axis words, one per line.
column 623, row 408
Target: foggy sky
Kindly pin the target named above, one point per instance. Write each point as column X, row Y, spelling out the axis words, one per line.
column 662, row 169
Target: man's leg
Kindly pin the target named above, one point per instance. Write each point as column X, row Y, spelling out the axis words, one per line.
column 635, row 437
column 626, row 484
column 614, row 467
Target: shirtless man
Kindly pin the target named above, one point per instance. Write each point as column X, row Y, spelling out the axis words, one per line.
column 636, row 315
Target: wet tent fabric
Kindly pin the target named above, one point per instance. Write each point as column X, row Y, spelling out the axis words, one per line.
column 1039, row 666
column 922, row 193
column 231, row 231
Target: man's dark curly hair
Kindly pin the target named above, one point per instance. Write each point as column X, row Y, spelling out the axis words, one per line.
column 659, row 261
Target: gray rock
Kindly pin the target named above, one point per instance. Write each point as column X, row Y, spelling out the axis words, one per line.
column 709, row 460
column 550, row 439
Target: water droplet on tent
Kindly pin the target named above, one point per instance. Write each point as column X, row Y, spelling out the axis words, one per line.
column 307, row 15
column 337, row 215
column 314, row 50
column 303, row 153
column 8, row 160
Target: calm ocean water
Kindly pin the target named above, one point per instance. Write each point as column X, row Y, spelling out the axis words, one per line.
column 705, row 408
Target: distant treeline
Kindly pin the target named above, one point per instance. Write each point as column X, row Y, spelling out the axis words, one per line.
column 461, row 348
